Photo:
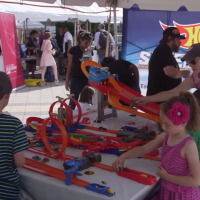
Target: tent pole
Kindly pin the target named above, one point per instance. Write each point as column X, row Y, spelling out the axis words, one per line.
column 108, row 36
column 75, row 31
column 87, row 28
column 115, row 32
column 78, row 27
column 24, row 37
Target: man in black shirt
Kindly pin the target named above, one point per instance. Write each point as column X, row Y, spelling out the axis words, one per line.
column 127, row 72
column 164, row 72
column 59, row 38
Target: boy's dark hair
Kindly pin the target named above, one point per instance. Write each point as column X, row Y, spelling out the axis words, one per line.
column 5, row 84
column 47, row 35
column 185, row 98
column 33, row 32
column 106, row 61
column 86, row 95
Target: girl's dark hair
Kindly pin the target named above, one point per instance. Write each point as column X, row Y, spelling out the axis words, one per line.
column 83, row 35
column 33, row 32
column 86, row 95
column 106, row 61
column 185, row 98
column 47, row 35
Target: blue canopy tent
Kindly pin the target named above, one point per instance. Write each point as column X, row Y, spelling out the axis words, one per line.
column 142, row 31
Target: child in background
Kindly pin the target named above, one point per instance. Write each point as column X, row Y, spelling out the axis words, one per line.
column 180, row 168
column 86, row 97
column 13, row 142
column 47, row 59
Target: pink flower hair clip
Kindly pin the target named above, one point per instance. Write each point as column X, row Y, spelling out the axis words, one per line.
column 179, row 114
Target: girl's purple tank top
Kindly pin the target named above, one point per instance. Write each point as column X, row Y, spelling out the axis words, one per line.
column 174, row 163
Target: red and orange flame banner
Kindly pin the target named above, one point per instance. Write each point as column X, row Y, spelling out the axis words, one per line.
column 190, row 31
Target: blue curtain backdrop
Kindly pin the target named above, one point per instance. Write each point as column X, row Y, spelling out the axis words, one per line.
column 142, row 31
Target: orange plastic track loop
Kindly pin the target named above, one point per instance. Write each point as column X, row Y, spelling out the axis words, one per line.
column 33, row 119
column 78, row 106
column 46, row 141
column 68, row 109
column 91, row 64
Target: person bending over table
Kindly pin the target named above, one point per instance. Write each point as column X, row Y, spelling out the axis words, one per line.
column 75, row 78
column 31, row 44
column 127, row 72
column 164, row 73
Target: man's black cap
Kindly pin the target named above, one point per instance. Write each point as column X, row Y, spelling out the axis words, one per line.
column 174, row 32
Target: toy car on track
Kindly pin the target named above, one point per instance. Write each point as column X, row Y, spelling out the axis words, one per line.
column 37, row 158
column 45, row 160
column 131, row 123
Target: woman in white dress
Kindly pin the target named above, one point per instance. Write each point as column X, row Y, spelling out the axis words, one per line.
column 47, row 58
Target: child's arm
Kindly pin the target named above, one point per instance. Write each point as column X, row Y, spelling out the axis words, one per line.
column 139, row 151
column 20, row 143
column 193, row 161
column 19, row 159
column 69, row 71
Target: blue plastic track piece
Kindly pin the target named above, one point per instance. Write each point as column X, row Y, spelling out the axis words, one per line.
column 98, row 74
column 73, row 168
column 73, row 128
column 101, row 189
column 130, row 128
column 78, row 126
column 30, row 129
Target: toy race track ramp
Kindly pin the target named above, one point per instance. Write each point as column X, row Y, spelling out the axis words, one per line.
column 114, row 101
column 52, row 171
column 124, row 93
column 68, row 157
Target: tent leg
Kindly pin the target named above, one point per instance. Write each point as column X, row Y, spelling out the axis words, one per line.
column 78, row 25
column 87, row 25
column 108, row 36
column 24, row 36
column 75, row 32
column 115, row 32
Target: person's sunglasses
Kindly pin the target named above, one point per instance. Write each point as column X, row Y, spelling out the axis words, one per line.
column 193, row 62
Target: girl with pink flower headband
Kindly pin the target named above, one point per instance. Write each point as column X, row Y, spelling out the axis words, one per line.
column 180, row 168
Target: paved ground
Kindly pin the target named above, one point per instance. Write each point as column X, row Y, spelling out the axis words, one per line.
column 35, row 101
